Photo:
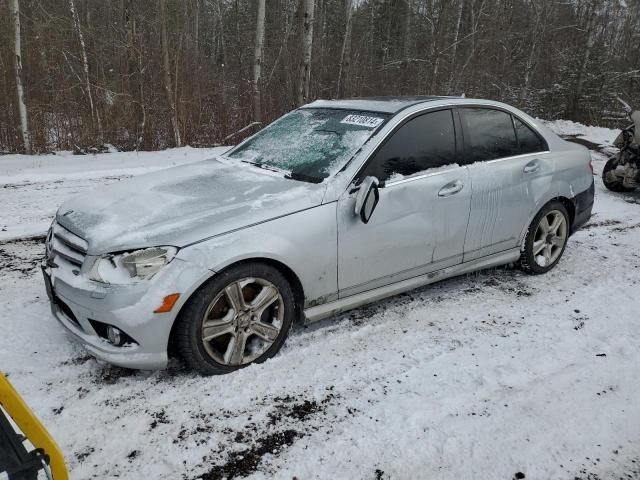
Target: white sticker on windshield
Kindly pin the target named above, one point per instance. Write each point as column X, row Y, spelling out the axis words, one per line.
column 362, row 121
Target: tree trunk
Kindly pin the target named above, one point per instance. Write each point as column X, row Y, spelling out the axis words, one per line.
column 454, row 52
column 406, row 30
column 223, row 66
column 582, row 72
column 168, row 88
column 258, row 57
column 304, row 78
column 436, row 28
column 537, row 38
column 85, row 68
column 17, row 49
column 343, row 70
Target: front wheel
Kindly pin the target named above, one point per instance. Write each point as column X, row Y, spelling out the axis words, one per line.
column 546, row 239
column 239, row 317
column 610, row 179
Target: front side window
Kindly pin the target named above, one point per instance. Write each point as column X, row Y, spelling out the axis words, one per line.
column 310, row 144
column 489, row 134
column 423, row 143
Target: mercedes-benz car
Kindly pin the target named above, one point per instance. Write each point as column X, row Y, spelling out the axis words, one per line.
column 334, row 205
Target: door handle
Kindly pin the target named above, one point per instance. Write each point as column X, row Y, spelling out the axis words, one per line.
column 532, row 167
column 451, row 188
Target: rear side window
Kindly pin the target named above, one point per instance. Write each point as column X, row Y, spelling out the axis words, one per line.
column 489, row 134
column 530, row 141
column 424, row 142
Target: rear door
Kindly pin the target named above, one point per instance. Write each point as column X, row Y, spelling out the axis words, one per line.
column 510, row 170
column 421, row 218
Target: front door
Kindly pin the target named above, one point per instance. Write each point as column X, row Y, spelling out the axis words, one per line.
column 420, row 221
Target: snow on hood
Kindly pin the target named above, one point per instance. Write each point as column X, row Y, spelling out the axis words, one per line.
column 182, row 205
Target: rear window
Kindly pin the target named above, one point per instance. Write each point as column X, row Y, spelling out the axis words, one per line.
column 530, row 141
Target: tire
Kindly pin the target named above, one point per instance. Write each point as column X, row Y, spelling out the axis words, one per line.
column 614, row 184
column 219, row 331
column 543, row 249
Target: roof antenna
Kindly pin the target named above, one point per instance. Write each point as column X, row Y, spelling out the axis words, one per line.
column 462, row 95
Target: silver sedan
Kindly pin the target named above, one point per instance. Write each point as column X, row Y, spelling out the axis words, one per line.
column 334, row 205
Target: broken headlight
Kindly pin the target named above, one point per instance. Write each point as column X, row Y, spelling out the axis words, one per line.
column 131, row 267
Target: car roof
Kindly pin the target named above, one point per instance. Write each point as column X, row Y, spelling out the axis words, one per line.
column 376, row 104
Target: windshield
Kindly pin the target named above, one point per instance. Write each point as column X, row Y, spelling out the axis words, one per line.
column 310, row 144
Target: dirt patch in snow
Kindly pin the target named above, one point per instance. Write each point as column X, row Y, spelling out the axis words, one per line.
column 23, row 256
column 285, row 423
column 625, row 228
column 82, row 455
column 508, row 281
column 110, row 375
column 287, row 407
column 79, row 360
column 245, row 462
column 159, row 417
column 603, row 223
column 630, row 470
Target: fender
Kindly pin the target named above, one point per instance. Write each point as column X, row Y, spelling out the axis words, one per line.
column 305, row 242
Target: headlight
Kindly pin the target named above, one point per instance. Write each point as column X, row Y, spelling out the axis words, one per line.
column 131, row 267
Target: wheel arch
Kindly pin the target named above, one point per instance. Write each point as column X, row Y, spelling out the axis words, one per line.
column 289, row 274
column 567, row 202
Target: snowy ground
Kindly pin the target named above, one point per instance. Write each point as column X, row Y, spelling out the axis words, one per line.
column 487, row 376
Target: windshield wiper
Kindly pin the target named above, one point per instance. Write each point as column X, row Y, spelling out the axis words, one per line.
column 286, row 173
column 302, row 177
column 264, row 166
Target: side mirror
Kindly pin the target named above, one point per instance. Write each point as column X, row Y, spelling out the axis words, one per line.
column 367, row 198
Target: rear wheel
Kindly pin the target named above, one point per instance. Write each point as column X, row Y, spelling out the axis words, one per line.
column 546, row 239
column 240, row 317
column 610, row 179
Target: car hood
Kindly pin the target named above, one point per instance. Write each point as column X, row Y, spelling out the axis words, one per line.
column 183, row 205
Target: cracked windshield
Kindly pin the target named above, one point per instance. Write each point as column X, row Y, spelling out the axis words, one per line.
column 310, row 144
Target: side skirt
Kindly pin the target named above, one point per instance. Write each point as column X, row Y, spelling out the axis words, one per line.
column 319, row 312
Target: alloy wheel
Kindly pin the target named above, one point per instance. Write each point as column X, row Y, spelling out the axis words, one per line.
column 549, row 238
column 242, row 321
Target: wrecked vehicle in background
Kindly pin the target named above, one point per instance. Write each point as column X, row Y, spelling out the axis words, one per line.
column 335, row 205
column 621, row 173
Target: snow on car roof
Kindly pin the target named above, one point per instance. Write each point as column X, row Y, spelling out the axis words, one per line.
column 375, row 104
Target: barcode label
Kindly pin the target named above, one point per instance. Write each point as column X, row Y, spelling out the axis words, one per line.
column 362, row 121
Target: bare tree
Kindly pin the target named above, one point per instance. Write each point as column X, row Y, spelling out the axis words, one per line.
column 304, row 76
column 87, row 82
column 454, row 46
column 168, row 87
column 538, row 31
column 17, row 49
column 589, row 29
column 85, row 68
column 406, row 39
column 343, row 70
column 258, row 58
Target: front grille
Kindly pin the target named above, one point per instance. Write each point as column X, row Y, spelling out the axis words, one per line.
column 67, row 245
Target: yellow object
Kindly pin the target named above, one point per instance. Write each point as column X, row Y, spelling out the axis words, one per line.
column 31, row 427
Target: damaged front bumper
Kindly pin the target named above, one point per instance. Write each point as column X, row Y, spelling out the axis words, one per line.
column 86, row 308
